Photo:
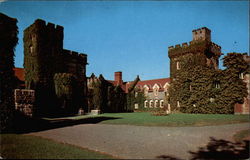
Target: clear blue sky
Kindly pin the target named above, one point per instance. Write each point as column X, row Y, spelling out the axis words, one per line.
column 133, row 37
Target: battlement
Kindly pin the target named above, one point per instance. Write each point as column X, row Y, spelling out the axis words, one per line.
column 201, row 29
column 183, row 45
column 39, row 23
column 193, row 47
column 202, row 34
column 74, row 54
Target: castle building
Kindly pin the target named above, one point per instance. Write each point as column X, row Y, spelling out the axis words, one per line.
column 201, row 50
column 44, row 57
column 155, row 90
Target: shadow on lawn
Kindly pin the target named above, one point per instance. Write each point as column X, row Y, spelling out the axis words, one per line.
column 218, row 149
column 26, row 125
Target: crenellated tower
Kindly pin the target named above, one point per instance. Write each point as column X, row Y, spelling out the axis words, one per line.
column 43, row 44
column 44, row 56
column 201, row 50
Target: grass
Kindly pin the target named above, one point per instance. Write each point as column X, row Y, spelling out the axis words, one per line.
column 15, row 146
column 241, row 135
column 146, row 119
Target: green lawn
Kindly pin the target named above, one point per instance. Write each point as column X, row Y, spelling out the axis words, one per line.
column 15, row 146
column 146, row 119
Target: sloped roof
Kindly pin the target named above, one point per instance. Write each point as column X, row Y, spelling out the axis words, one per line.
column 150, row 83
column 19, row 73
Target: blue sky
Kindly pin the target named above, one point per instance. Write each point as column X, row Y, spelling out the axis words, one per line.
column 133, row 36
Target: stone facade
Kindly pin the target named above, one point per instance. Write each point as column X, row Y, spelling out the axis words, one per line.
column 155, row 91
column 24, row 101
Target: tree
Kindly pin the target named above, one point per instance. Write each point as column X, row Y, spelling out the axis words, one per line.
column 8, row 41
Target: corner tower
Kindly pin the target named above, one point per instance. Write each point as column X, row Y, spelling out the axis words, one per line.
column 200, row 51
column 43, row 45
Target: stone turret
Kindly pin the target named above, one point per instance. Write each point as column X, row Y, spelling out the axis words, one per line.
column 202, row 34
column 201, row 47
column 44, row 57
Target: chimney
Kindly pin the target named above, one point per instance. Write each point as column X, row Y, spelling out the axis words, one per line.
column 118, row 78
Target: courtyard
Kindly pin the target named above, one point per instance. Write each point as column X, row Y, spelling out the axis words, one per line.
column 133, row 136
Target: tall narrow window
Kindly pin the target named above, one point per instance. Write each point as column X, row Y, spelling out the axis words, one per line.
column 178, row 67
column 241, row 76
column 156, row 103
column 146, row 104
column 162, row 103
column 217, row 84
column 151, row 104
column 178, row 104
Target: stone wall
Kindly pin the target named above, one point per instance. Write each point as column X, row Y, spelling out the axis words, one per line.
column 24, row 101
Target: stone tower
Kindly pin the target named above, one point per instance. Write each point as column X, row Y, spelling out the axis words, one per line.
column 43, row 45
column 201, row 50
column 44, row 56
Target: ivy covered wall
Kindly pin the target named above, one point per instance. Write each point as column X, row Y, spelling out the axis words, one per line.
column 44, row 57
column 200, row 89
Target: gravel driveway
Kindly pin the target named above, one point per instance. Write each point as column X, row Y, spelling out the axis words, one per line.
column 140, row 142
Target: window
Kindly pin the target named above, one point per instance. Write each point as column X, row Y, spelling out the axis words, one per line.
column 136, row 106
column 146, row 88
column 217, row 84
column 162, row 103
column 151, row 105
column 166, row 87
column 178, row 66
column 156, row 88
column 31, row 49
column 136, row 94
column 178, row 104
column 241, row 76
column 146, row 104
column 156, row 103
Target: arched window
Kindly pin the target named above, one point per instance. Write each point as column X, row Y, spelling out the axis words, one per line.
column 217, row 84
column 162, row 103
column 156, row 103
column 151, row 104
column 156, row 89
column 145, row 89
column 166, row 87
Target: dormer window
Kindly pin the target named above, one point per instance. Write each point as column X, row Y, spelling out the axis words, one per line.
column 146, row 88
column 156, row 88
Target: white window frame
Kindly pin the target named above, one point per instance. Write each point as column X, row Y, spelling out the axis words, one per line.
column 161, row 103
column 151, row 104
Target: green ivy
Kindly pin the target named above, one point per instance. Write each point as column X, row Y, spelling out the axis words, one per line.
column 195, row 86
